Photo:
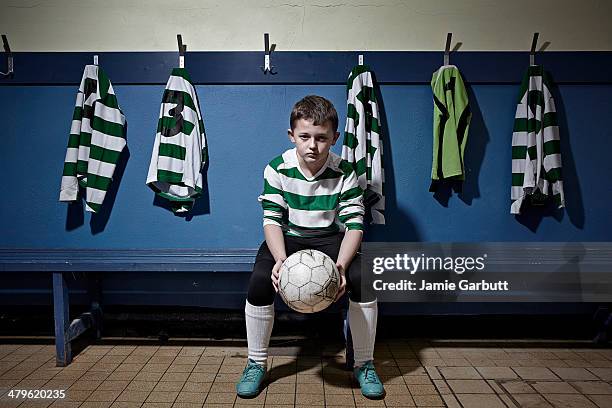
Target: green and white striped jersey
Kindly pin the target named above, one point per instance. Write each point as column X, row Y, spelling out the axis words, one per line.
column 363, row 146
column 536, row 148
column 329, row 202
column 179, row 151
column 97, row 137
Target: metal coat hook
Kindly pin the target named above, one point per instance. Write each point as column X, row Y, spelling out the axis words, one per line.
column 95, row 59
column 449, row 37
column 268, row 50
column 9, row 56
column 182, row 50
column 360, row 59
column 534, row 44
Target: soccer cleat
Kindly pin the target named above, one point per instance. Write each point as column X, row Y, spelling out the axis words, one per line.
column 370, row 384
column 251, row 379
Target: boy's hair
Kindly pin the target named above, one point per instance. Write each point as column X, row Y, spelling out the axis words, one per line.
column 315, row 108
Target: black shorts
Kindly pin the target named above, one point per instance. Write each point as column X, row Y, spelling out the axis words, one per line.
column 261, row 291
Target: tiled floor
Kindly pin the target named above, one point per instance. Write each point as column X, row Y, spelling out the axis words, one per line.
column 415, row 374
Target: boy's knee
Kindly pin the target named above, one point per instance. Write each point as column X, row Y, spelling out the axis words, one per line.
column 261, row 292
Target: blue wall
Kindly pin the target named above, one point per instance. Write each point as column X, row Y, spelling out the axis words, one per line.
column 246, row 126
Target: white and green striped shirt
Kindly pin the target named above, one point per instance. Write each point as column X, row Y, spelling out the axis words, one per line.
column 536, row 148
column 179, row 151
column 363, row 145
column 96, row 140
column 324, row 204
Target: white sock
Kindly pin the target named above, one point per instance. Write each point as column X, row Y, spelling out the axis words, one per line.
column 259, row 322
column 362, row 318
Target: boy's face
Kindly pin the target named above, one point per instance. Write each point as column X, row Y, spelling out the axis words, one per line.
column 312, row 141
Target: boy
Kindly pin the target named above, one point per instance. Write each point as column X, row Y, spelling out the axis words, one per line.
column 307, row 190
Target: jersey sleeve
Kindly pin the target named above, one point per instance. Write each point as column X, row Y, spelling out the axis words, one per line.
column 351, row 207
column 272, row 200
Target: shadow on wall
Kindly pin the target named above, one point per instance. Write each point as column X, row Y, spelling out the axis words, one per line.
column 399, row 225
column 532, row 216
column 75, row 213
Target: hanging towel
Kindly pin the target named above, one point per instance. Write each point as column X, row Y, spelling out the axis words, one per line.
column 97, row 137
column 180, row 151
column 536, row 149
column 362, row 146
column 452, row 117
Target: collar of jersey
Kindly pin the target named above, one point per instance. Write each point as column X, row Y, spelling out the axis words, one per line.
column 318, row 173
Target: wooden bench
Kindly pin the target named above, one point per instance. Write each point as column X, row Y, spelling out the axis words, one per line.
column 96, row 262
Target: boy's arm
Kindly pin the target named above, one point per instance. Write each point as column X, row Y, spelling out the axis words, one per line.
column 348, row 249
column 350, row 212
column 275, row 241
column 274, row 208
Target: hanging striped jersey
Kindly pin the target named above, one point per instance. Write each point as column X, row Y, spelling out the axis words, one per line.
column 324, row 204
column 97, row 137
column 536, row 149
column 452, row 117
column 179, row 151
column 362, row 146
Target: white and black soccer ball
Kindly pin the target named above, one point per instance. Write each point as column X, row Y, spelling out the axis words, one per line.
column 308, row 281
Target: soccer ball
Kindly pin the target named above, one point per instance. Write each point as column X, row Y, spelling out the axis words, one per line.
column 308, row 281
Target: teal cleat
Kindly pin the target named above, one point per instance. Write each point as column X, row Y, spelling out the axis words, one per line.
column 370, row 384
column 251, row 379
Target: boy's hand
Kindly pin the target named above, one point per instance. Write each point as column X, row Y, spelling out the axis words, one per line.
column 342, row 287
column 275, row 274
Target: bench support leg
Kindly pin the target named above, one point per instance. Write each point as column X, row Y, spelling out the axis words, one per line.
column 63, row 351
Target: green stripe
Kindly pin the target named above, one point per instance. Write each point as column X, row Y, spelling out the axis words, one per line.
column 294, row 173
column 352, row 113
column 170, row 122
column 73, row 140
column 519, row 152
column 110, row 101
column 277, row 161
column 361, row 167
column 271, row 206
column 169, row 176
column 552, row 147
column 81, row 167
column 550, row 119
column 104, row 155
column 532, row 152
column 352, row 193
column 277, row 219
column 103, row 83
column 357, row 70
column 354, row 226
column 312, row 203
column 78, row 113
column 85, row 139
column 554, row 174
column 375, row 126
column 70, row 169
column 526, row 125
column 94, row 207
column 517, row 179
column 181, row 72
column 106, row 127
column 350, row 140
column 98, row 182
column 172, row 150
